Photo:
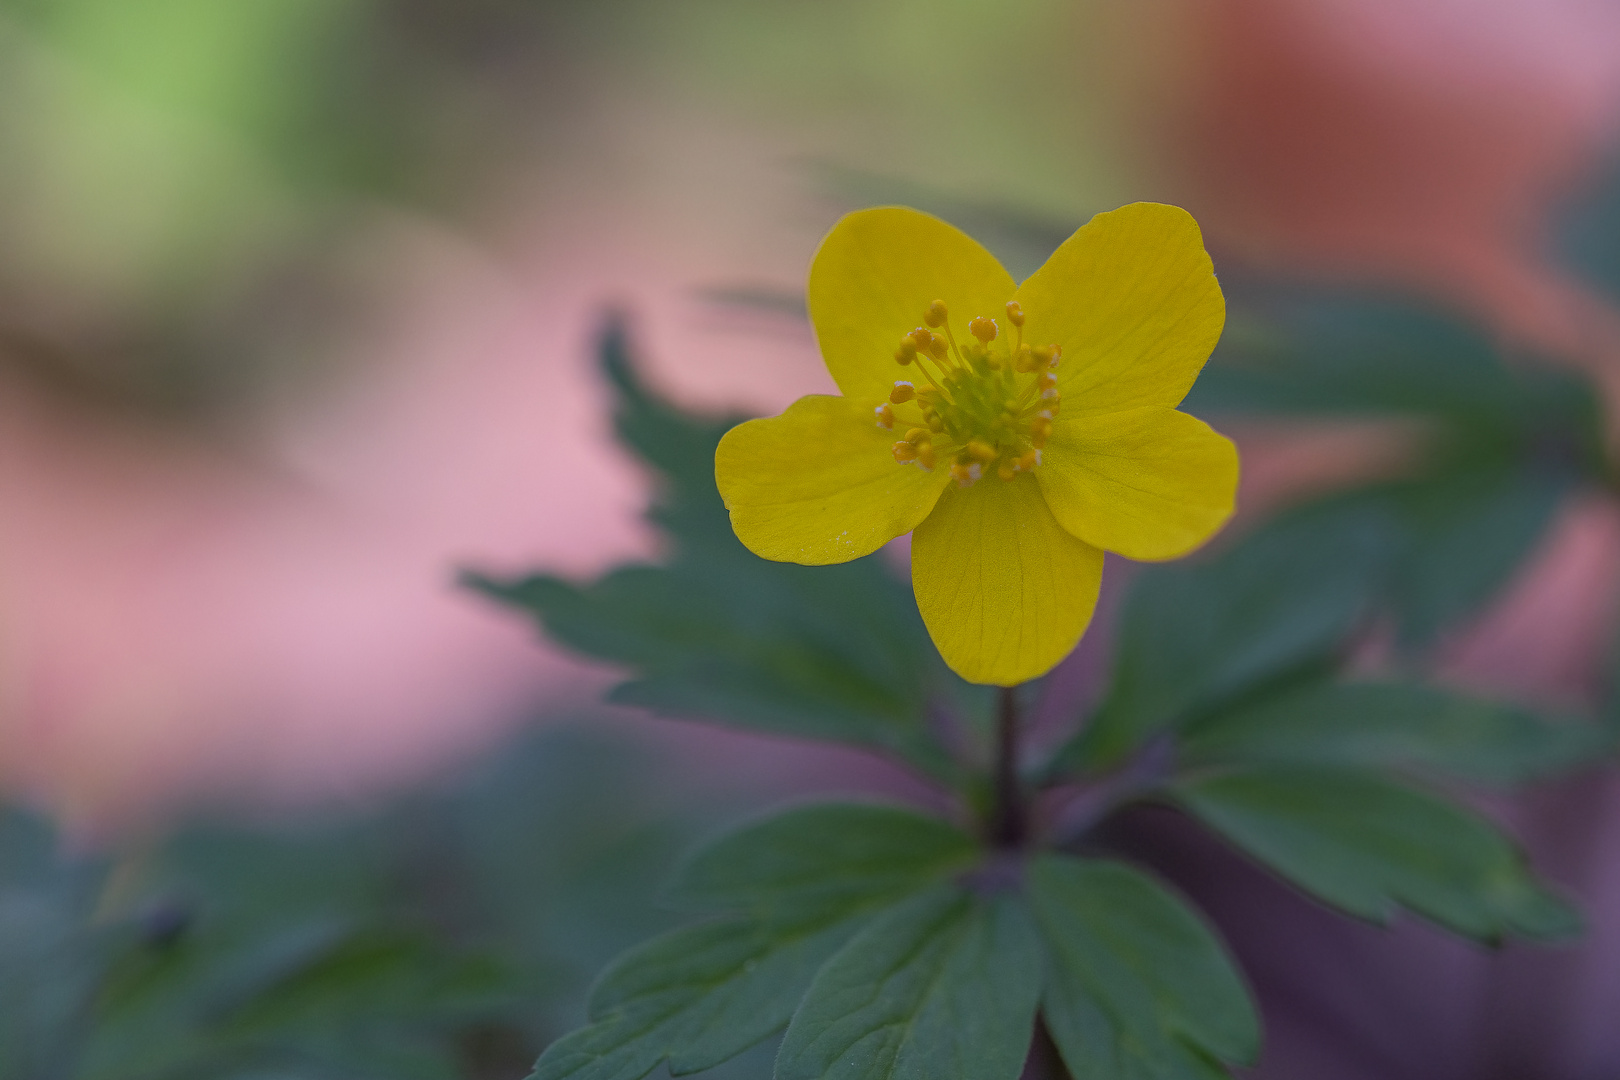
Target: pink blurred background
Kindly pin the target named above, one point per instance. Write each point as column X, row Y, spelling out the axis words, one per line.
column 250, row 599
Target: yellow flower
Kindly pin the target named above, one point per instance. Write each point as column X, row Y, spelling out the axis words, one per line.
column 1021, row 430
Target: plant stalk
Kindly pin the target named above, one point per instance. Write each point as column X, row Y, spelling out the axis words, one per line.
column 1009, row 814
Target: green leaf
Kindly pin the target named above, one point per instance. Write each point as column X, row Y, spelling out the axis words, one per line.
column 1365, row 844
column 834, row 652
column 1293, row 350
column 1137, row 986
column 1195, row 636
column 1465, row 532
column 943, row 985
column 796, row 865
column 695, row 997
column 798, row 885
column 1397, row 725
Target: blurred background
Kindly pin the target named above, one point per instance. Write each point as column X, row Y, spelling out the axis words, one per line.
column 297, row 303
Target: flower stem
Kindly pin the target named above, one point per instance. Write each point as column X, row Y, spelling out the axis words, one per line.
column 1009, row 817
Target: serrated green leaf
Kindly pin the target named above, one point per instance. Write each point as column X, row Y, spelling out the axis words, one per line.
column 798, row 864
column 695, row 997
column 835, row 652
column 1365, row 845
column 1137, row 985
column 798, row 885
column 1194, row 636
column 943, row 985
column 1398, row 725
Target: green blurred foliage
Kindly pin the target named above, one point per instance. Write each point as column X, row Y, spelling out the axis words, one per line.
column 449, row 936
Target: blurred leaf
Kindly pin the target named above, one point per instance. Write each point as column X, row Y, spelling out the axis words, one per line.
column 1364, row 844
column 1193, row 636
column 50, row 958
column 945, row 984
column 353, row 950
column 802, row 882
column 1393, row 725
column 1291, row 350
column 834, row 652
column 1466, row 533
column 1508, row 441
column 1137, row 986
column 1588, row 236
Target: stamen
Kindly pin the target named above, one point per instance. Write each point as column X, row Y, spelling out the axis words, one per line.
column 978, row 413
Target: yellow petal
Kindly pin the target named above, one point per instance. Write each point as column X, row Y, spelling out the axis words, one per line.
column 874, row 277
column 819, row 483
column 1150, row 483
column 1005, row 590
column 1132, row 299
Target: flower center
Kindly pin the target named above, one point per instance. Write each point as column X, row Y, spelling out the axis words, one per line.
column 985, row 404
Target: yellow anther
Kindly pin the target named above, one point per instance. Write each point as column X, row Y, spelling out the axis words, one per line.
column 918, row 435
column 936, row 424
column 1015, row 314
column 1046, row 380
column 1039, row 431
column 966, row 474
column 906, row 353
column 981, row 450
column 938, row 347
column 904, row 452
column 937, row 314
column 1046, row 355
column 885, row 415
column 1025, row 361
column 1007, row 469
column 1057, row 354
column 920, row 337
column 983, row 328
column 925, row 455
column 1030, row 459
column 1053, row 400
column 902, row 392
